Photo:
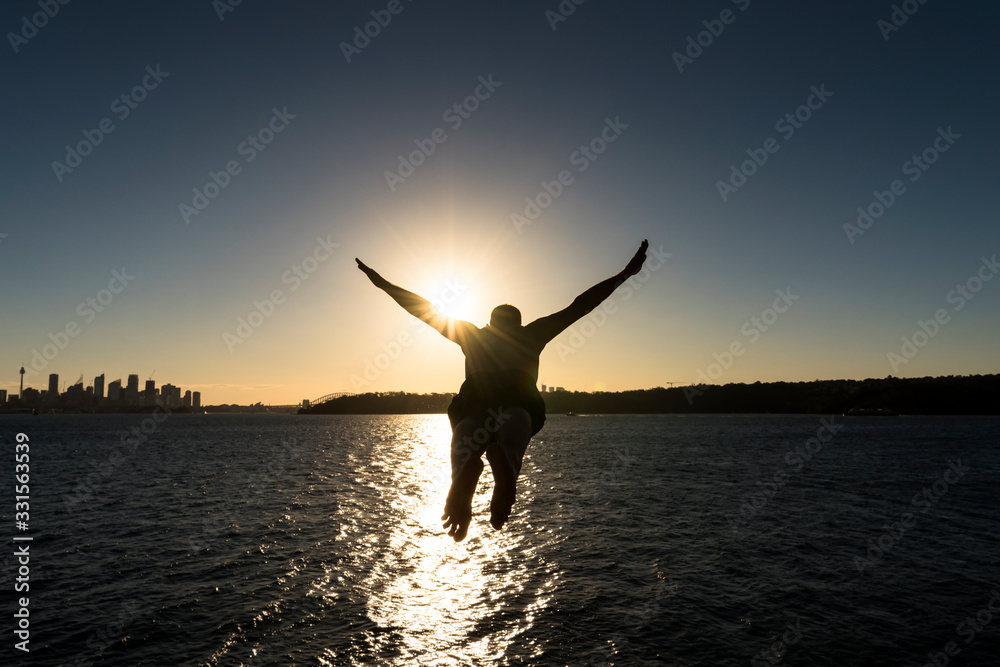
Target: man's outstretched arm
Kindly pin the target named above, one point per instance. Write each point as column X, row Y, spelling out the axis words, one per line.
column 416, row 305
column 547, row 328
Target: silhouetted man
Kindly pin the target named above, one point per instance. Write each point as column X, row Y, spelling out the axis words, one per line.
column 498, row 409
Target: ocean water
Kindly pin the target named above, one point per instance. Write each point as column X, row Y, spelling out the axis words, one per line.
column 636, row 540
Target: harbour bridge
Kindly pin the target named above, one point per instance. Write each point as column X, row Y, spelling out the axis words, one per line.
column 330, row 397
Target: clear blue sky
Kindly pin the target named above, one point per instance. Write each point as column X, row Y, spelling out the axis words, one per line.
column 212, row 83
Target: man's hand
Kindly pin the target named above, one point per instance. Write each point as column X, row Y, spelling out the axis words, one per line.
column 635, row 264
column 373, row 275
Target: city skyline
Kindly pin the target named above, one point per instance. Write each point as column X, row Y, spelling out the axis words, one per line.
column 132, row 382
column 79, row 394
column 814, row 180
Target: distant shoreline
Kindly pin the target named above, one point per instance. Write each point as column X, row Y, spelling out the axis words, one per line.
column 947, row 395
column 136, row 410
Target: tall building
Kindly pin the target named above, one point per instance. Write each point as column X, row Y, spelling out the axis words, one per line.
column 132, row 390
column 187, row 398
column 3, row 395
column 115, row 391
column 149, row 395
column 75, row 393
column 167, row 395
column 196, row 399
column 53, row 386
column 99, row 387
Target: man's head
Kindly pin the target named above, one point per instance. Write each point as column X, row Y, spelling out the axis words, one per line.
column 505, row 317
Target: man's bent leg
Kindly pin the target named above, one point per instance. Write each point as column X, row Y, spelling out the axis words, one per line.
column 505, row 457
column 466, row 466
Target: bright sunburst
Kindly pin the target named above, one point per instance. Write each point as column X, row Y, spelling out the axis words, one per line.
column 456, row 300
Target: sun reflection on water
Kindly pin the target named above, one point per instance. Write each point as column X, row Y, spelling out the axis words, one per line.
column 444, row 600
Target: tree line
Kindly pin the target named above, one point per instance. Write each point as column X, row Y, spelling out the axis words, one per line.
column 947, row 395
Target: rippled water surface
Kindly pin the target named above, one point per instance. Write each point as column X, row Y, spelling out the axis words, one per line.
column 636, row 540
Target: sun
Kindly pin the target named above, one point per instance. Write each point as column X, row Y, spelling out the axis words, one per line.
column 453, row 298
column 461, row 306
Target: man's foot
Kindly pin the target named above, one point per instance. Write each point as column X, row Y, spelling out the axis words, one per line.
column 458, row 508
column 503, row 486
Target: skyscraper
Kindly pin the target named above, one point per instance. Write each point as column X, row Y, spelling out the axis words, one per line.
column 115, row 391
column 75, row 393
column 149, row 396
column 132, row 390
column 196, row 399
column 99, row 387
column 53, row 386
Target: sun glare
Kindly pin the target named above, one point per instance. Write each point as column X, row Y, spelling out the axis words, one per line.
column 462, row 310
column 454, row 299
